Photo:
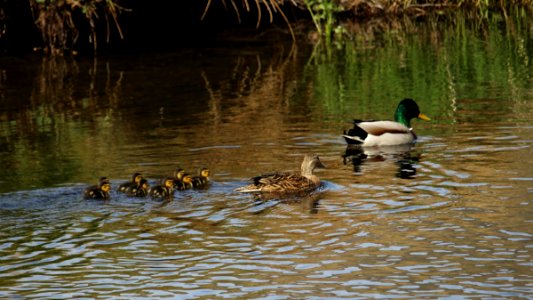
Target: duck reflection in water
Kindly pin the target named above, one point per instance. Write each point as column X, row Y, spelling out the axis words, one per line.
column 309, row 202
column 402, row 155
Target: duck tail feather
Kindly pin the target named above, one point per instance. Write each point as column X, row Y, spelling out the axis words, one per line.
column 352, row 140
column 356, row 135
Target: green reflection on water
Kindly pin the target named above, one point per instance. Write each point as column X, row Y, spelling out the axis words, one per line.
column 64, row 121
column 437, row 64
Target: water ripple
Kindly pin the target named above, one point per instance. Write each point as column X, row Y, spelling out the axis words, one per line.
column 425, row 237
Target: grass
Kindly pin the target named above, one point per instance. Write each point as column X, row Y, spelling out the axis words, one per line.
column 59, row 21
column 452, row 58
column 327, row 15
column 56, row 20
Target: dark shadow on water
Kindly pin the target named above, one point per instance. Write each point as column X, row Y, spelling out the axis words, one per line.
column 402, row 155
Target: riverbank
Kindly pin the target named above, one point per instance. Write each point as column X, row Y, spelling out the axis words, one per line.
column 68, row 27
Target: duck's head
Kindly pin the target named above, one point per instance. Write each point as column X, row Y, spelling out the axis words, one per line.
column 178, row 174
column 310, row 163
column 137, row 177
column 168, row 182
column 187, row 179
column 143, row 183
column 408, row 109
column 204, row 172
column 103, row 180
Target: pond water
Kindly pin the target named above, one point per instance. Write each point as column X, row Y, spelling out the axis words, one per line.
column 449, row 217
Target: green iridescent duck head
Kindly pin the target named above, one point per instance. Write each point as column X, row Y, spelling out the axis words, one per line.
column 408, row 109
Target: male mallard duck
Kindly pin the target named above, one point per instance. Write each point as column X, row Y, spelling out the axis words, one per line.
column 100, row 191
column 140, row 191
column 202, row 180
column 387, row 133
column 287, row 183
column 133, row 184
column 164, row 190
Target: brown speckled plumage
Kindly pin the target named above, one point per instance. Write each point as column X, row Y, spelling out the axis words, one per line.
column 287, row 183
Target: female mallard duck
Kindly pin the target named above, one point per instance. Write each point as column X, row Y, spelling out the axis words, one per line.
column 287, row 183
column 202, row 180
column 387, row 133
column 164, row 190
column 100, row 191
column 133, row 184
column 140, row 191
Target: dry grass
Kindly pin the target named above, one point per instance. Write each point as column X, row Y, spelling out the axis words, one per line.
column 270, row 6
column 56, row 21
column 59, row 20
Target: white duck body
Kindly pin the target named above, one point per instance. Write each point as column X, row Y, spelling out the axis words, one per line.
column 386, row 133
column 381, row 133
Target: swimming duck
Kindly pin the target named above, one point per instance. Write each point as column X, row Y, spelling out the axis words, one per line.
column 283, row 183
column 164, row 190
column 100, row 191
column 103, row 179
column 133, row 184
column 140, row 191
column 186, row 183
column 387, row 133
column 178, row 179
column 202, row 180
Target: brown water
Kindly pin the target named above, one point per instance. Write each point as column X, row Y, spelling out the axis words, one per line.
column 447, row 218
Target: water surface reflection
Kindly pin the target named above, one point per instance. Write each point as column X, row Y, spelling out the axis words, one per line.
column 447, row 217
column 404, row 156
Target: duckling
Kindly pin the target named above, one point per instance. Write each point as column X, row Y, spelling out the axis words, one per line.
column 178, row 178
column 202, row 180
column 186, row 183
column 164, row 190
column 103, row 179
column 283, row 183
column 133, row 184
column 100, row 191
column 140, row 191
column 387, row 133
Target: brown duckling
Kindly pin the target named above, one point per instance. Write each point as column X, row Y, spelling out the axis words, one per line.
column 178, row 179
column 186, row 183
column 287, row 183
column 133, row 184
column 164, row 190
column 141, row 191
column 100, row 191
column 202, row 180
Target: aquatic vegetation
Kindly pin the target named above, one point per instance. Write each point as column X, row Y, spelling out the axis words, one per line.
column 66, row 25
column 323, row 14
column 328, row 14
column 443, row 45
